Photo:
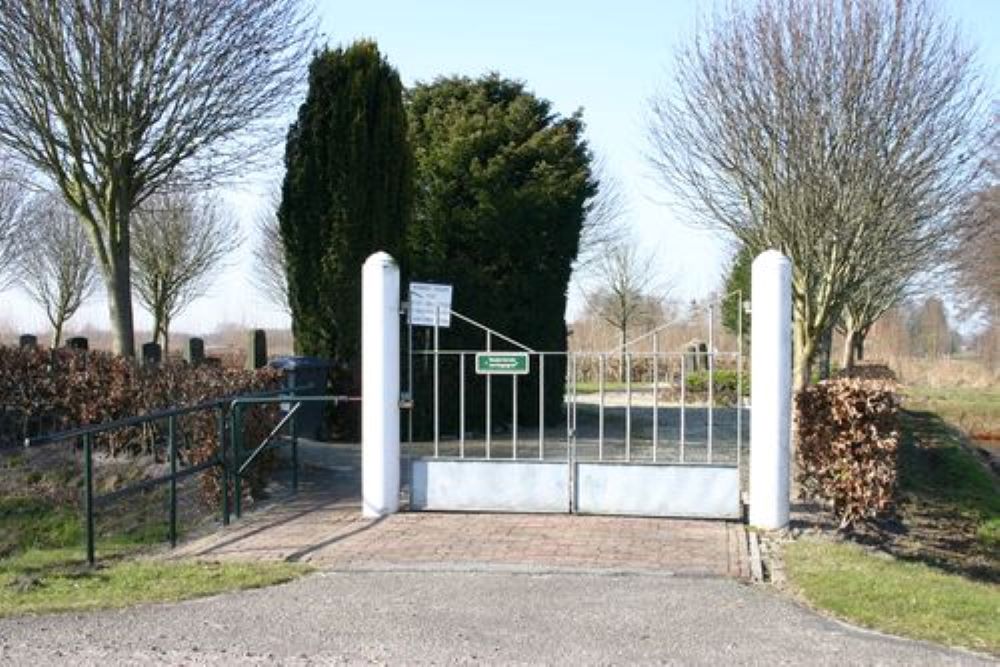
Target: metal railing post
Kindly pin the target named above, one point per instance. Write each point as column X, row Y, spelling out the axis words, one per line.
column 293, row 435
column 172, row 450
column 224, row 460
column 88, row 495
column 237, row 438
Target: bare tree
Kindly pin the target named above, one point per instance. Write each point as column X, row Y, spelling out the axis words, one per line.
column 179, row 242
column 270, row 275
column 622, row 293
column 13, row 205
column 977, row 253
column 56, row 264
column 114, row 99
column 841, row 133
column 604, row 227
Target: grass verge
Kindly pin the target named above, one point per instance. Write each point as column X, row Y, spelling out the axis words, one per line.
column 42, row 566
column 909, row 599
column 54, row 580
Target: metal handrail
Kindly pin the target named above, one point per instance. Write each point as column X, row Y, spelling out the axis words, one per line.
column 137, row 420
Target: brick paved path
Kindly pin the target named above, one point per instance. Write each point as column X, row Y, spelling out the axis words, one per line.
column 318, row 529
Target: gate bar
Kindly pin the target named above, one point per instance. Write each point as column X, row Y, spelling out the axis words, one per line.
column 628, row 406
column 683, row 402
column 711, row 377
column 489, row 398
column 437, row 397
column 461, row 405
column 513, row 432
column 656, row 393
column 541, row 406
column 600, row 413
column 739, row 379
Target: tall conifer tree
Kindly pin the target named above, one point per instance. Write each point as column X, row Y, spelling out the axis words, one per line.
column 346, row 193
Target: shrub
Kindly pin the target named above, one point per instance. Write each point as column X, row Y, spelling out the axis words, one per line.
column 45, row 391
column 847, row 446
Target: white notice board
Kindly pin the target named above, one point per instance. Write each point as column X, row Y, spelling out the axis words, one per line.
column 428, row 300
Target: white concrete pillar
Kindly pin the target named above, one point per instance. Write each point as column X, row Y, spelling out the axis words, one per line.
column 770, row 389
column 380, row 385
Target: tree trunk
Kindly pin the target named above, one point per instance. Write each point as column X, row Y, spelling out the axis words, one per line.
column 803, row 353
column 119, row 275
column 57, row 328
column 120, row 304
column 850, row 347
column 165, row 330
column 825, row 350
column 859, row 345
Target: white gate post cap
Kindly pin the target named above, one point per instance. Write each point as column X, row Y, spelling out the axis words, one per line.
column 771, row 256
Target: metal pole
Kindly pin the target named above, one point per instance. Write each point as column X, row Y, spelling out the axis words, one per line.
column 568, row 397
column 601, row 367
column 437, row 425
column 237, row 438
column 295, row 451
column 656, row 393
column 224, row 460
column 513, row 444
column 409, row 371
column 541, row 406
column 628, row 406
column 461, row 405
column 489, row 400
column 88, row 495
column 711, row 376
column 683, row 402
column 172, row 450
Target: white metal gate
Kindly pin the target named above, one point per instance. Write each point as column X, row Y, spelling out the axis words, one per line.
column 636, row 432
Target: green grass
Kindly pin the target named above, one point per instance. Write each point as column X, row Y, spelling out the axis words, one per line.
column 44, row 570
column 52, row 580
column 902, row 598
column 975, row 410
column 936, row 468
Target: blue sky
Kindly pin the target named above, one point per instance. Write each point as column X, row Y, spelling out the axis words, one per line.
column 607, row 58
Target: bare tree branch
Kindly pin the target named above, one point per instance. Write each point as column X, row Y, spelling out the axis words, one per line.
column 270, row 275
column 14, row 198
column 56, row 264
column 841, row 133
column 114, row 100
column 179, row 242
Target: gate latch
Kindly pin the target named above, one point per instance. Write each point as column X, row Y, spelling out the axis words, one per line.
column 405, row 401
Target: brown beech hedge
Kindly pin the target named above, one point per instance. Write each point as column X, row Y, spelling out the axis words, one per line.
column 847, row 445
column 47, row 391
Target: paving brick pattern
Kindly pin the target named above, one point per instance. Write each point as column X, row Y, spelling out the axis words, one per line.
column 332, row 535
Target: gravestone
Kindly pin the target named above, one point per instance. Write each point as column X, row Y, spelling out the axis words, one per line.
column 256, row 349
column 152, row 354
column 194, row 352
column 78, row 343
column 27, row 341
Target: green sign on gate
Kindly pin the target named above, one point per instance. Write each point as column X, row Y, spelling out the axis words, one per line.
column 502, row 363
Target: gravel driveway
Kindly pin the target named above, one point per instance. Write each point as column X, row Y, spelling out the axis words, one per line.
column 495, row 616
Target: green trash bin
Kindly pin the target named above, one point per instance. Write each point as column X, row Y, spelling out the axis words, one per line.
column 309, row 376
